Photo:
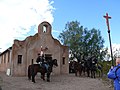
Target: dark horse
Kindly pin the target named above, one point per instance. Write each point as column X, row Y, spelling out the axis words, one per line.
column 35, row 68
column 91, row 67
column 71, row 67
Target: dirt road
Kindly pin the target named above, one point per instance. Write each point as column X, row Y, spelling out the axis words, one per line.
column 60, row 82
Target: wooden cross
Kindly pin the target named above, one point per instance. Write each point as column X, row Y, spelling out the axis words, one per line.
column 107, row 20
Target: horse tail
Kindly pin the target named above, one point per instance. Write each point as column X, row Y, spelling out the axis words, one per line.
column 29, row 73
column 30, row 69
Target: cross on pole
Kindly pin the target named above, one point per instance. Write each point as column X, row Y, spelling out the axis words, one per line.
column 107, row 22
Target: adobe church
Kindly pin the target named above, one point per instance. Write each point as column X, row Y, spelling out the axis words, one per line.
column 17, row 58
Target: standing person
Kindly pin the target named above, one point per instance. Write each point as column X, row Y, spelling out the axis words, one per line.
column 114, row 74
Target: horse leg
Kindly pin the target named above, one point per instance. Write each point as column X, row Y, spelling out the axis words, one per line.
column 80, row 72
column 33, row 77
column 84, row 70
column 75, row 72
column 48, row 77
column 43, row 76
column 88, row 73
column 92, row 73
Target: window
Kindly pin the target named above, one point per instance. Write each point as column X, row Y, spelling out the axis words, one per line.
column 44, row 29
column 19, row 59
column 63, row 60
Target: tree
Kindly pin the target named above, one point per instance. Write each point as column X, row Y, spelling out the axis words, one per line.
column 81, row 41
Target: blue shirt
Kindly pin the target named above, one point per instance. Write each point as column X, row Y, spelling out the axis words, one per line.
column 111, row 75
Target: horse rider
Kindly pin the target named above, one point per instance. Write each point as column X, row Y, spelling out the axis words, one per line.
column 42, row 60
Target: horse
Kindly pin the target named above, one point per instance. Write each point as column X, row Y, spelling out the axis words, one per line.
column 77, row 68
column 93, row 67
column 83, row 66
column 87, row 67
column 90, row 66
column 35, row 68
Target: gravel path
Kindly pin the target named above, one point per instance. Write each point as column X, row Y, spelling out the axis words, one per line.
column 60, row 82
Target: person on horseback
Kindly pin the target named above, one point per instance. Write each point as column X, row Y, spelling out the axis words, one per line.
column 42, row 60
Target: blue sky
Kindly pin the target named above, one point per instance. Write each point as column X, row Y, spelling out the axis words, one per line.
column 90, row 14
column 19, row 19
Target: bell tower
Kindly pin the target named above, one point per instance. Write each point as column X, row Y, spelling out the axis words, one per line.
column 44, row 28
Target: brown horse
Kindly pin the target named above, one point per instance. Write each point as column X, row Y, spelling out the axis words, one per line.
column 35, row 68
column 77, row 68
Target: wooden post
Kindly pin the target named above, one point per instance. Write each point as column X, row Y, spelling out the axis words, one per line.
column 107, row 22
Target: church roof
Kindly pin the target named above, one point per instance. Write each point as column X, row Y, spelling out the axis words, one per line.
column 10, row 48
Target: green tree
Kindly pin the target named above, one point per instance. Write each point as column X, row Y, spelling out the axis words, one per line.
column 81, row 41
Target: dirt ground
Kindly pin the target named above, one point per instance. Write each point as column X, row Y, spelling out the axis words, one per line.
column 58, row 82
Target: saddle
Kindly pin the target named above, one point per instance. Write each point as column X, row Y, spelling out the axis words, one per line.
column 44, row 65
